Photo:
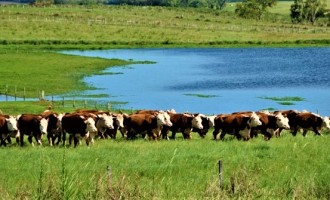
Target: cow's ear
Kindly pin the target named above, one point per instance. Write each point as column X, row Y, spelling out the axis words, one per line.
column 82, row 117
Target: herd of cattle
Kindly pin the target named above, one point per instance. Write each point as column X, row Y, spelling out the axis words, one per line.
column 154, row 124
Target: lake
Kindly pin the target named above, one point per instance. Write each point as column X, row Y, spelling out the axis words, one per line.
column 217, row 80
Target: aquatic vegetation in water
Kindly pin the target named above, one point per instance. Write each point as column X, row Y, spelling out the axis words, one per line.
column 288, row 101
column 201, row 95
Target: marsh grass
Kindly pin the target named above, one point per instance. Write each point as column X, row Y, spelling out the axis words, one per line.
column 287, row 101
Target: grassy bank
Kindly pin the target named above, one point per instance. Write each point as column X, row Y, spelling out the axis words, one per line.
column 28, row 73
column 282, row 168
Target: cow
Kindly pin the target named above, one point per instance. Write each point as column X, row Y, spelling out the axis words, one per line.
column 8, row 128
column 78, row 126
column 207, row 123
column 54, row 128
column 236, row 124
column 270, row 123
column 151, row 124
column 118, row 124
column 291, row 115
column 103, row 122
column 184, row 123
column 309, row 121
column 32, row 125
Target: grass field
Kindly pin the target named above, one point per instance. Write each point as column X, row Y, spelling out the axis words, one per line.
column 104, row 27
column 282, row 168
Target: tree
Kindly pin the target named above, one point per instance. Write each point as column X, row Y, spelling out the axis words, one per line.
column 253, row 9
column 309, row 10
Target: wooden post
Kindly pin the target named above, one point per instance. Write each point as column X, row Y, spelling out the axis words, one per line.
column 109, row 106
column 220, row 175
column 15, row 92
column 85, row 104
column 63, row 101
column 24, row 93
column 109, row 176
column 74, row 102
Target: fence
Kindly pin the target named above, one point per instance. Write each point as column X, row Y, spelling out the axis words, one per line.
column 70, row 101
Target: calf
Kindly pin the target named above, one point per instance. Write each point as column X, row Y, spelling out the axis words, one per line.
column 236, row 124
column 310, row 121
column 8, row 128
column 78, row 126
column 118, row 124
column 291, row 115
column 32, row 125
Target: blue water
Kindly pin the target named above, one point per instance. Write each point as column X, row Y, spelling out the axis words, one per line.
column 235, row 77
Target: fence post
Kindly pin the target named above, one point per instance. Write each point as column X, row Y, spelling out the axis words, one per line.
column 24, row 93
column 109, row 176
column 15, row 92
column 85, row 104
column 63, row 102
column 220, row 175
column 109, row 106
column 74, row 102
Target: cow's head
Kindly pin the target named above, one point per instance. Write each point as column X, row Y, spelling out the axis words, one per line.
column 254, row 120
column 107, row 120
column 326, row 122
column 282, row 122
column 120, row 120
column 167, row 119
column 90, row 124
column 197, row 122
column 211, row 120
column 163, row 120
column 43, row 125
column 11, row 124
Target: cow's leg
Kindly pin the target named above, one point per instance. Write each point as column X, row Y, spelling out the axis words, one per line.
column 294, row 132
column 75, row 139
column 30, row 140
column 22, row 139
column 222, row 135
column 215, row 133
column 3, row 142
column 63, row 137
column 50, row 140
column 316, row 131
column 58, row 138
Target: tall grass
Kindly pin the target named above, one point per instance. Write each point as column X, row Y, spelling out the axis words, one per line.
column 286, row 168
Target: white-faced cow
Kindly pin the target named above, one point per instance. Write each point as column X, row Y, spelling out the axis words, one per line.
column 8, row 128
column 184, row 123
column 118, row 124
column 54, row 128
column 236, row 124
column 78, row 126
column 207, row 123
column 32, row 125
column 310, row 121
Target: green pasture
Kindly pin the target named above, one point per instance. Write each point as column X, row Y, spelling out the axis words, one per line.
column 116, row 26
column 282, row 168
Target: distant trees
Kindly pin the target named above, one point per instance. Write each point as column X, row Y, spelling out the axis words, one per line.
column 308, row 10
column 253, row 9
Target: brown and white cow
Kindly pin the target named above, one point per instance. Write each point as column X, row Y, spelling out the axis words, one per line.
column 270, row 123
column 78, row 126
column 151, row 124
column 32, row 125
column 291, row 115
column 118, row 124
column 309, row 121
column 207, row 123
column 54, row 128
column 8, row 128
column 184, row 123
column 236, row 124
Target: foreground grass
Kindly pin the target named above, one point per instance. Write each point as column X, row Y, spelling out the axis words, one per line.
column 282, row 168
